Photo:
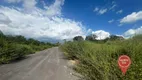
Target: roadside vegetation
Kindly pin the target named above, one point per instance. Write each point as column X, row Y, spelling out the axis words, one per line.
column 98, row 59
column 17, row 47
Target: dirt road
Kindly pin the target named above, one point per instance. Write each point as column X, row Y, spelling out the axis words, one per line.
column 44, row 65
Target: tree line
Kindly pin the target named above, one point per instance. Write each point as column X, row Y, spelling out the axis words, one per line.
column 17, row 47
column 93, row 37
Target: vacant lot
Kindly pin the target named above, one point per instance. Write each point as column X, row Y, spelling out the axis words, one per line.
column 98, row 61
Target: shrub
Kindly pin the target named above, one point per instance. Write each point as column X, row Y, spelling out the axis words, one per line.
column 16, row 47
column 99, row 61
column 14, row 51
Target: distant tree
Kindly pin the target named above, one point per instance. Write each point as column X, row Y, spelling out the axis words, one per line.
column 115, row 37
column 106, row 39
column 20, row 38
column 1, row 34
column 47, row 43
column 16, row 39
column 65, row 40
column 33, row 41
column 2, row 40
column 57, row 44
column 91, row 37
column 78, row 38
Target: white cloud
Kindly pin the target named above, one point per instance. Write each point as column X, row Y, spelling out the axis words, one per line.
column 120, row 24
column 55, row 9
column 13, row 1
column 133, row 17
column 110, row 21
column 27, row 4
column 96, row 9
column 39, row 24
column 105, row 9
column 102, row 11
column 112, row 7
column 119, row 12
column 132, row 32
column 101, row 34
column 51, row 10
column 4, row 19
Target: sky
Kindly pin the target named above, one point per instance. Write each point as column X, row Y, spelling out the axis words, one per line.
column 56, row 20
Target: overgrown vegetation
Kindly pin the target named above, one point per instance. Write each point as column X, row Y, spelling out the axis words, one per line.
column 16, row 47
column 98, row 61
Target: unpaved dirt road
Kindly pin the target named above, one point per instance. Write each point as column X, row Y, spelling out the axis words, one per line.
column 44, row 65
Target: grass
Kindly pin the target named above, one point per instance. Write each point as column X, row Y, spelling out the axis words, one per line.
column 98, row 61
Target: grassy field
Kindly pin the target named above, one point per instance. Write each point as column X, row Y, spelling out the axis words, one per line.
column 98, row 61
column 17, row 47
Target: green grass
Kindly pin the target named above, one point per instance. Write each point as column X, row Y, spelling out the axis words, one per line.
column 98, row 61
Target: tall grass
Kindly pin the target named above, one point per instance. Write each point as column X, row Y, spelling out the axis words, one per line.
column 99, row 61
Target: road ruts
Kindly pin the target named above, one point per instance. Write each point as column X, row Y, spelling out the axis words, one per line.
column 44, row 65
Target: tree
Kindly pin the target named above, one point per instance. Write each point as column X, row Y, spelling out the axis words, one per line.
column 65, row 40
column 2, row 36
column 33, row 41
column 2, row 39
column 20, row 39
column 78, row 38
column 115, row 37
column 91, row 37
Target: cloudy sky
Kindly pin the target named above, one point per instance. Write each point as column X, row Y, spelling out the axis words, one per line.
column 55, row 20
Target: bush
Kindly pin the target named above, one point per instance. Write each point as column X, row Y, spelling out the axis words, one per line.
column 99, row 61
column 16, row 47
column 14, row 51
